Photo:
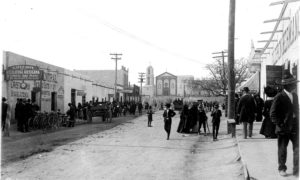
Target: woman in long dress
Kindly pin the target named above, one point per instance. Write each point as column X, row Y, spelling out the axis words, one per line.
column 183, row 123
column 268, row 127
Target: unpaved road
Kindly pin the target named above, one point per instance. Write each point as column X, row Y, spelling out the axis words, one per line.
column 135, row 151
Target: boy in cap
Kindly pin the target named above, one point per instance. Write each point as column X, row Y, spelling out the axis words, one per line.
column 216, row 118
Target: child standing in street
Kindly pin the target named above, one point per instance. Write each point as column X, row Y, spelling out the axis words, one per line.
column 149, row 113
column 216, row 118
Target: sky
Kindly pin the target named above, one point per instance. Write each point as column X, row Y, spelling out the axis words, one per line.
column 177, row 36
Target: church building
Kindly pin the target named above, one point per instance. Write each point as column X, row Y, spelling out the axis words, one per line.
column 166, row 84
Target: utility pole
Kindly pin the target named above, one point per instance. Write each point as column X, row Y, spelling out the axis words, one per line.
column 231, row 75
column 223, row 63
column 116, row 58
column 141, row 80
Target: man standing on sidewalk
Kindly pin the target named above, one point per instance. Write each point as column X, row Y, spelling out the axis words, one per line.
column 246, row 111
column 285, row 114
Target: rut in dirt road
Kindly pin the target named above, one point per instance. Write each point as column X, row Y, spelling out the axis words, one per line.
column 135, row 151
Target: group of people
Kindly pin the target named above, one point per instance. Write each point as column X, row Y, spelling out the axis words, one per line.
column 191, row 118
column 24, row 110
column 281, row 118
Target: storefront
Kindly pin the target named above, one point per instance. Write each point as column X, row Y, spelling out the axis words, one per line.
column 50, row 87
column 281, row 52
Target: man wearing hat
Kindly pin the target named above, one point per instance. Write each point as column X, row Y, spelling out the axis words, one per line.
column 216, row 119
column 246, row 111
column 284, row 113
column 168, row 114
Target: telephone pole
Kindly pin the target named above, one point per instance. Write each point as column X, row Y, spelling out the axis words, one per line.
column 141, row 80
column 116, row 58
column 231, row 75
column 223, row 63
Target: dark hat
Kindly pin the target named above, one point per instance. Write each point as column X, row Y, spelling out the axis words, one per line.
column 3, row 99
column 287, row 78
column 270, row 91
column 246, row 89
column 168, row 105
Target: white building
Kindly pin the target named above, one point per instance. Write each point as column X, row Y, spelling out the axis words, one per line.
column 23, row 77
column 281, row 51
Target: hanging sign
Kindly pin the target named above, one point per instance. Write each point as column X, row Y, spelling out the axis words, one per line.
column 23, row 72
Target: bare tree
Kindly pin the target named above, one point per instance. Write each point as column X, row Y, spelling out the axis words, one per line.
column 217, row 83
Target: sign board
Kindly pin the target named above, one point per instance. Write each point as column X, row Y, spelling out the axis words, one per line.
column 274, row 74
column 125, row 91
column 80, row 93
column 23, row 72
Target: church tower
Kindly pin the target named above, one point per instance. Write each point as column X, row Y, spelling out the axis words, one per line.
column 149, row 76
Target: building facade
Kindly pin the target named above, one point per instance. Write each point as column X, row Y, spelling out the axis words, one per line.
column 49, row 86
column 107, row 77
column 166, row 84
column 281, row 52
column 149, row 76
column 184, row 87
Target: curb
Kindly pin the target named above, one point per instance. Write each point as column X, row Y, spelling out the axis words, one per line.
column 245, row 169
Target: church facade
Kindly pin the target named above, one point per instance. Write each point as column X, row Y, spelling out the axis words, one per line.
column 166, row 84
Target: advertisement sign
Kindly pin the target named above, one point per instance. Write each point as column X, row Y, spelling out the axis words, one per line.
column 80, row 93
column 23, row 72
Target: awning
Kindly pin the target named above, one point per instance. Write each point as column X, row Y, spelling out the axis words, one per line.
column 252, row 83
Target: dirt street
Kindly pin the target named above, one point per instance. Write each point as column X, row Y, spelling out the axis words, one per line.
column 134, row 151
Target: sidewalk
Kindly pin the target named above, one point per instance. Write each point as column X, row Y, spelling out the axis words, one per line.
column 260, row 155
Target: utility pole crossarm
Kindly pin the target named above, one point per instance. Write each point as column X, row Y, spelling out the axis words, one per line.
column 116, row 58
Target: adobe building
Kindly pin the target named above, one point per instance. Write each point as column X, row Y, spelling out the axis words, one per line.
column 51, row 87
column 107, row 77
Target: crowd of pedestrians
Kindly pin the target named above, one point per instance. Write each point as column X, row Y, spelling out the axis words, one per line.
column 280, row 114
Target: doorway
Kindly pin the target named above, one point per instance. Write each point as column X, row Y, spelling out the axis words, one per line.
column 53, row 101
column 73, row 96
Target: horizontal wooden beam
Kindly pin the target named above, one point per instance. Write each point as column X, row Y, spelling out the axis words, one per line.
column 282, row 2
column 275, row 20
column 267, row 41
column 219, row 56
column 269, row 32
column 266, row 48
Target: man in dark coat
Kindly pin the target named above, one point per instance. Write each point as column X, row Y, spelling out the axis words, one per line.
column 259, row 107
column 71, row 113
column 18, row 111
column 168, row 114
column 246, row 111
column 4, row 113
column 284, row 113
column 27, row 114
column 202, row 119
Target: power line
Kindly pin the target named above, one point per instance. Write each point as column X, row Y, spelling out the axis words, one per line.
column 141, row 40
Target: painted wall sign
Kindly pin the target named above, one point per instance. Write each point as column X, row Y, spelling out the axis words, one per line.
column 50, row 77
column 19, row 85
column 290, row 35
column 80, row 93
column 19, row 94
column 46, row 85
column 23, row 72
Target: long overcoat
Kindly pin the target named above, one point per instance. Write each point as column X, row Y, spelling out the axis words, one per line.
column 246, row 109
